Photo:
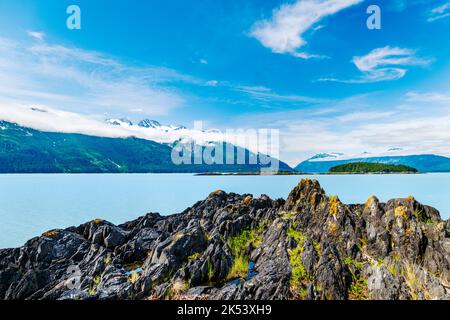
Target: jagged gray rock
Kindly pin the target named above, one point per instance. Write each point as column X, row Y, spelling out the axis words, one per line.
column 231, row 246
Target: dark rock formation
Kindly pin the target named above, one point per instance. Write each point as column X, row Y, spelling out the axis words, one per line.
column 229, row 246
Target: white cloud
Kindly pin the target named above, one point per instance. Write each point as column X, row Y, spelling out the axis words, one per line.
column 319, row 27
column 41, row 117
column 84, row 81
column 36, row 35
column 387, row 63
column 414, row 135
column 365, row 123
column 268, row 95
column 283, row 33
column 413, row 124
column 384, row 64
column 365, row 116
column 432, row 97
column 44, row 118
column 212, row 83
column 441, row 12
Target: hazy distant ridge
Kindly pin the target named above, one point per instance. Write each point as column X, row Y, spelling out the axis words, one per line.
column 423, row 163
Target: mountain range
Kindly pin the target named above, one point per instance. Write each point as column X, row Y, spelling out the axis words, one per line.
column 146, row 123
column 322, row 163
column 26, row 150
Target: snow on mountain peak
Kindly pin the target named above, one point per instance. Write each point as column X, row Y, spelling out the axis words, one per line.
column 335, row 156
column 147, row 123
column 171, row 134
column 120, row 122
column 326, row 156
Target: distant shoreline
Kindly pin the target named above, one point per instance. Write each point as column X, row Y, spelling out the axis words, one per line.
column 307, row 173
column 219, row 173
column 377, row 173
column 293, row 173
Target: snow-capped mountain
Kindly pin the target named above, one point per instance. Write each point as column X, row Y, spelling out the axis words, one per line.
column 322, row 163
column 147, row 123
column 174, row 134
column 57, row 152
column 337, row 156
column 119, row 122
column 326, row 156
column 162, row 133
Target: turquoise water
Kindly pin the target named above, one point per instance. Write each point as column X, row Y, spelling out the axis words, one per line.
column 33, row 204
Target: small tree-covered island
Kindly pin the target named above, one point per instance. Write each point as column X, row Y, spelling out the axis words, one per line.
column 366, row 167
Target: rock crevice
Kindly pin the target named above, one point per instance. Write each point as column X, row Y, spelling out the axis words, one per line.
column 228, row 246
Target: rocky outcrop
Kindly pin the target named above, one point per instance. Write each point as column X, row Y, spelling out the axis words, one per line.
column 229, row 246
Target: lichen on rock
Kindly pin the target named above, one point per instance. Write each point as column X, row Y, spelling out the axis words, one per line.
column 228, row 246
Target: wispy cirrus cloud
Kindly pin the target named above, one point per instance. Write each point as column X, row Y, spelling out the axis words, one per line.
column 268, row 95
column 36, row 34
column 365, row 116
column 284, row 32
column 402, row 5
column 84, row 81
column 384, row 64
column 212, row 83
column 440, row 12
column 411, row 123
column 433, row 97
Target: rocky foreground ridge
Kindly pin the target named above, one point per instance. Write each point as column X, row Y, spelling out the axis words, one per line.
column 231, row 246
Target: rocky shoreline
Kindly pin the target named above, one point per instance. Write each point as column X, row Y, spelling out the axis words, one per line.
column 228, row 246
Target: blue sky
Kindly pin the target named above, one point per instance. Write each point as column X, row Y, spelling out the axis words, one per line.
column 310, row 68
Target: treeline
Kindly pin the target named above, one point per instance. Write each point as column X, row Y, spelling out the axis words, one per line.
column 366, row 167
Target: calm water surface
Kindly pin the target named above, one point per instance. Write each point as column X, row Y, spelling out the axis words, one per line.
column 33, row 204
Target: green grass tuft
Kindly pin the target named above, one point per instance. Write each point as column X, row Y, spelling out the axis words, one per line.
column 238, row 245
column 358, row 289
